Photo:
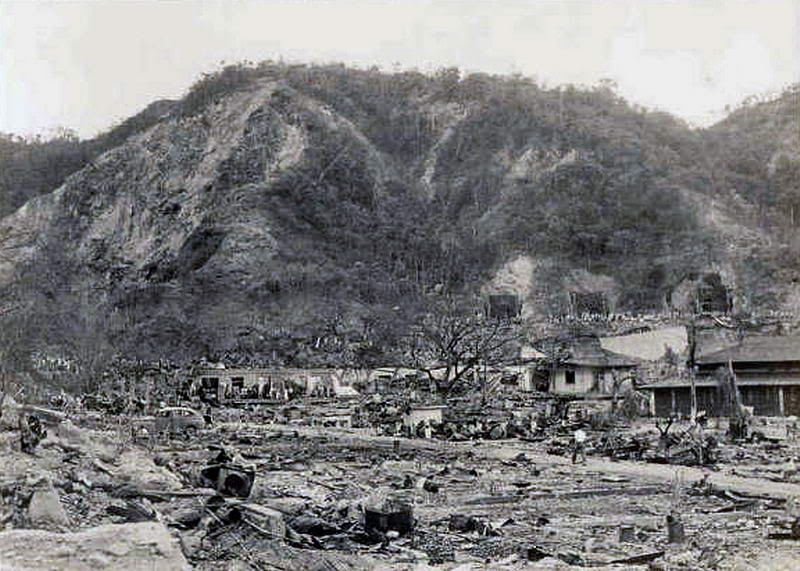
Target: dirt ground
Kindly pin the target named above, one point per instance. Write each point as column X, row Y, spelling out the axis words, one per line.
column 477, row 505
column 534, row 499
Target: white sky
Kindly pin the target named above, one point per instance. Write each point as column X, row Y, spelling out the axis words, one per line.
column 88, row 64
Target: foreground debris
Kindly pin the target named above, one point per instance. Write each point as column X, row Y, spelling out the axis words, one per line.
column 245, row 495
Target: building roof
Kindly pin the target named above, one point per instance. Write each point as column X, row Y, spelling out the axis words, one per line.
column 587, row 351
column 763, row 349
column 529, row 353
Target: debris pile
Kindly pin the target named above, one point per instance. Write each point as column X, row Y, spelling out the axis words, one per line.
column 248, row 494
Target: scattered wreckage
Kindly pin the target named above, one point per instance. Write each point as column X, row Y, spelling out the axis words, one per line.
column 247, row 491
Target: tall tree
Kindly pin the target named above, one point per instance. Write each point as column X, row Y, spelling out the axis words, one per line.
column 454, row 339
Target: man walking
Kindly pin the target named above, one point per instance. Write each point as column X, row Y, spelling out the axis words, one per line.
column 579, row 446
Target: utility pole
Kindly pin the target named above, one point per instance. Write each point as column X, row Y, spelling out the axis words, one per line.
column 692, row 334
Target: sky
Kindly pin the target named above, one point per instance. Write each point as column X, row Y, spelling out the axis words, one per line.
column 88, row 64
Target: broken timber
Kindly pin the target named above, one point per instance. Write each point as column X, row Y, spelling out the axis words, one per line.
column 572, row 494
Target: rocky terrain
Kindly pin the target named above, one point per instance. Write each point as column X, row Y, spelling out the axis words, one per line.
column 281, row 212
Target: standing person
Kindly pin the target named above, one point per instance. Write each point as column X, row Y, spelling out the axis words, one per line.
column 579, row 446
column 534, row 425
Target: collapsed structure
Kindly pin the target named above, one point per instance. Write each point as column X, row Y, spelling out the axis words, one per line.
column 276, row 384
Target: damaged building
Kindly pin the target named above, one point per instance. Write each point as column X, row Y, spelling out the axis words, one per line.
column 603, row 366
column 590, row 370
column 767, row 372
column 423, row 413
column 271, row 384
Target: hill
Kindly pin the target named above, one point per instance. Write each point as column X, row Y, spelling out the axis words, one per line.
column 303, row 214
column 33, row 166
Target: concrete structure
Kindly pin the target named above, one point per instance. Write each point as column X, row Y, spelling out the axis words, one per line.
column 419, row 413
column 330, row 383
column 275, row 384
column 767, row 373
column 383, row 379
column 257, row 383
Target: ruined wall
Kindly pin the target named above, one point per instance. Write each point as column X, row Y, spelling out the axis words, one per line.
column 416, row 416
column 765, row 400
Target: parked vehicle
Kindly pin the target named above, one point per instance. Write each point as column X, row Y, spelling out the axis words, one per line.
column 174, row 419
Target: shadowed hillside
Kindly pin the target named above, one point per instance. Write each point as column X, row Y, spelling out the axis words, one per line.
column 302, row 214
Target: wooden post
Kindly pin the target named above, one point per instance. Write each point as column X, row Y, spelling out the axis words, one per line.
column 675, row 530
column 738, row 420
column 691, row 366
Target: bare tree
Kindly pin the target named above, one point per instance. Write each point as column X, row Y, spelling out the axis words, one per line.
column 452, row 341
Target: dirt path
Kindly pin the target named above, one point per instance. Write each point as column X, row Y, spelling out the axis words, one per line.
column 648, row 472
column 642, row 472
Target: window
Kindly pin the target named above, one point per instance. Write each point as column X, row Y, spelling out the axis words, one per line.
column 569, row 377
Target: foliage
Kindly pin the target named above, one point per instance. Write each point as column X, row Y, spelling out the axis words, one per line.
column 32, row 166
column 212, row 86
column 406, row 183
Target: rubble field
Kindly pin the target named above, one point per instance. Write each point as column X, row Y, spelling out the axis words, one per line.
column 98, row 494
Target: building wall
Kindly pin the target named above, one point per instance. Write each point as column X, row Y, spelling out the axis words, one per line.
column 791, row 400
column 678, row 400
column 765, row 400
column 525, row 376
column 584, row 381
column 279, row 380
column 525, row 380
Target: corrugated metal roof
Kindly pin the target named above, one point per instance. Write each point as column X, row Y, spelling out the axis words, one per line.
column 765, row 349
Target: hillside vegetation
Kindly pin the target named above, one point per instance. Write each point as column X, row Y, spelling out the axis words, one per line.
column 304, row 214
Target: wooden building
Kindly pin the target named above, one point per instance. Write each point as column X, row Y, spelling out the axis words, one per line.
column 590, row 370
column 767, row 373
